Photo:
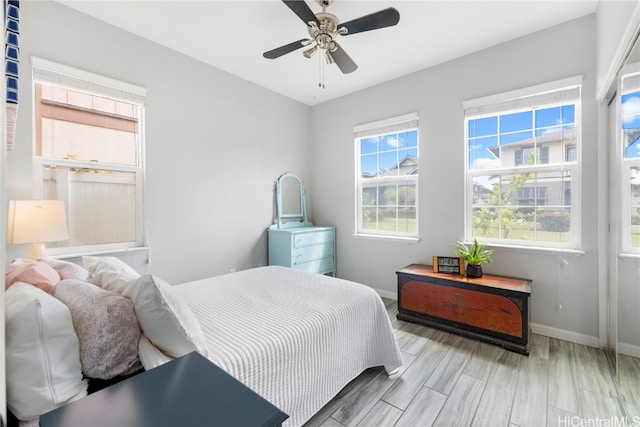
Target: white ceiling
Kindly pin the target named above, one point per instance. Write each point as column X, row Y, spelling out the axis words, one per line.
column 232, row 35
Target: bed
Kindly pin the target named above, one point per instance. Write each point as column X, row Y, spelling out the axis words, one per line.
column 294, row 337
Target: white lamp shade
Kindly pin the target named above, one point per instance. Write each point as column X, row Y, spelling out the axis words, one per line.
column 35, row 221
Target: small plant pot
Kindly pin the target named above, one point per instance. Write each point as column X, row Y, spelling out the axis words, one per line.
column 474, row 271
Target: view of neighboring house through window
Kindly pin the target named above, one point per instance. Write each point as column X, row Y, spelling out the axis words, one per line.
column 522, row 151
column 88, row 152
column 387, row 177
column 630, row 161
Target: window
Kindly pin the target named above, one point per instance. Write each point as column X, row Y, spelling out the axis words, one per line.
column 522, row 151
column 630, row 159
column 531, row 155
column 387, row 177
column 88, row 152
column 525, row 195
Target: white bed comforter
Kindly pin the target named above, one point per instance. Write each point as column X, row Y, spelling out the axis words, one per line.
column 295, row 338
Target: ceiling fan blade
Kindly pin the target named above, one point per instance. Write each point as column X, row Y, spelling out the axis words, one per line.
column 342, row 60
column 283, row 50
column 384, row 18
column 304, row 12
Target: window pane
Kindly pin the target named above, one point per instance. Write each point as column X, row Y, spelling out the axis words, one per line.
column 548, row 117
column 67, row 140
column 408, row 157
column 368, row 145
column 486, row 221
column 369, row 165
column 554, row 224
column 485, row 190
column 483, row 127
column 370, row 218
column 542, row 141
column 631, row 124
column 508, row 138
column 484, row 153
column 88, row 153
column 388, row 199
column 526, row 206
column 388, row 163
column 515, row 122
column 101, row 205
column 635, row 206
column 410, row 138
column 557, row 187
column 79, row 126
column 407, row 220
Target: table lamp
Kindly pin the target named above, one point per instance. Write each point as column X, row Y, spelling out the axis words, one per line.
column 36, row 222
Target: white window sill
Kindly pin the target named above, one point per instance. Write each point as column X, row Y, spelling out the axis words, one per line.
column 516, row 248
column 629, row 257
column 99, row 252
column 386, row 238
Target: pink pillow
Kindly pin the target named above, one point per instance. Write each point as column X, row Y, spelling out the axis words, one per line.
column 35, row 273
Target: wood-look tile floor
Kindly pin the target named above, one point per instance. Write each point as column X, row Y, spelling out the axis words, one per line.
column 450, row 380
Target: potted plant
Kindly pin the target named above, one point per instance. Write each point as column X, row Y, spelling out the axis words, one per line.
column 475, row 256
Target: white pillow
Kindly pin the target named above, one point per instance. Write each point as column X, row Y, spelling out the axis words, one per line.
column 165, row 319
column 150, row 355
column 109, row 272
column 42, row 353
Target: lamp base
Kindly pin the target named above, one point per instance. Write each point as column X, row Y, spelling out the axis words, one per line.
column 38, row 250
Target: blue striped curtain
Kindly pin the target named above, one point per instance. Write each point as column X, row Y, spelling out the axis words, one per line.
column 12, row 64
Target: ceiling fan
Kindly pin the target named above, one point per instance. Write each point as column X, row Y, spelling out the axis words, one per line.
column 325, row 27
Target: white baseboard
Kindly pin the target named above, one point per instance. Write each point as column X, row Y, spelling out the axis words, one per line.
column 629, row 349
column 565, row 335
column 548, row 331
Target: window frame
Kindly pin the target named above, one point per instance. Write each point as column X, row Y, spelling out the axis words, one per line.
column 397, row 124
column 53, row 74
column 514, row 102
column 625, row 165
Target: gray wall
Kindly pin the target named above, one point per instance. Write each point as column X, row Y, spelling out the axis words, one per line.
column 437, row 94
column 214, row 143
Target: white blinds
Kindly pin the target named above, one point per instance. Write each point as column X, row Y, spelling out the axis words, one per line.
column 73, row 78
column 557, row 92
column 392, row 124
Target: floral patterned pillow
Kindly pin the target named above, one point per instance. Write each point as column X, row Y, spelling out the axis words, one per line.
column 107, row 328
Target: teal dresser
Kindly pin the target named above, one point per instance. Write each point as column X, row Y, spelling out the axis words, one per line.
column 304, row 248
column 293, row 240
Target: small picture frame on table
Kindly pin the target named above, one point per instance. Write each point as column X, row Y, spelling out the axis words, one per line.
column 448, row 265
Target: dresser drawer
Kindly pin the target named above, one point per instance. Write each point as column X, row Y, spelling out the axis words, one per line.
column 318, row 266
column 311, row 253
column 304, row 248
column 315, row 238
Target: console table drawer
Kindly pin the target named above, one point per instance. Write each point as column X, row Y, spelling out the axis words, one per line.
column 493, row 308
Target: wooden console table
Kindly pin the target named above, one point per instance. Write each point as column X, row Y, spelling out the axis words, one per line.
column 492, row 308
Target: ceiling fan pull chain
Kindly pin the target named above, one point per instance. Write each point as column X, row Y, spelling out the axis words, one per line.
column 321, row 71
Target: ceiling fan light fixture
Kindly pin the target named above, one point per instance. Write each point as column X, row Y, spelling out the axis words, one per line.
column 324, row 27
column 310, row 52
